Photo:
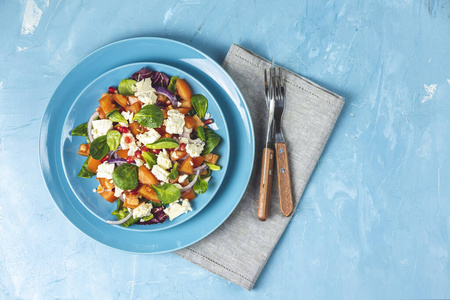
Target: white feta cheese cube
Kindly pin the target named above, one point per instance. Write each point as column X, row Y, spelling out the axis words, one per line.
column 194, row 150
column 174, row 122
column 143, row 210
column 148, row 137
column 163, row 160
column 176, row 209
column 101, row 127
column 160, row 173
column 105, row 170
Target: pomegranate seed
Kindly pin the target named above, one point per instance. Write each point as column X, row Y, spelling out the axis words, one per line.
column 112, row 90
column 104, row 159
column 182, row 146
column 209, row 121
column 127, row 139
column 134, row 192
column 145, row 149
column 120, row 129
column 155, row 151
column 129, row 159
column 125, row 130
column 138, row 154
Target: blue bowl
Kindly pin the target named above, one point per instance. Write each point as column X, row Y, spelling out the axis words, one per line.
column 55, row 123
column 84, row 106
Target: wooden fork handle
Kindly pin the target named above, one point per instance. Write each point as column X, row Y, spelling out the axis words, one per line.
column 284, row 179
column 265, row 186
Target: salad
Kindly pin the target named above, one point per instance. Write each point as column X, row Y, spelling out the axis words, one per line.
column 150, row 147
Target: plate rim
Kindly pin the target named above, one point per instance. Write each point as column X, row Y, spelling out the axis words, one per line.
column 42, row 144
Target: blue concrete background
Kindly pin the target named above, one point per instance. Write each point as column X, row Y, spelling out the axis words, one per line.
column 374, row 222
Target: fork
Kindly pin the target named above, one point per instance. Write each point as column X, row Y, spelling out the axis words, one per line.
column 265, row 187
column 283, row 174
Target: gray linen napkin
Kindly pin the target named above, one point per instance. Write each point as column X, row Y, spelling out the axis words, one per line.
column 240, row 247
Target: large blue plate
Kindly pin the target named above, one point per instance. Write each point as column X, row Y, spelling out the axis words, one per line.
column 221, row 86
column 85, row 104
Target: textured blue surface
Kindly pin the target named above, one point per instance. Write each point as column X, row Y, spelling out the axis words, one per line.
column 374, row 221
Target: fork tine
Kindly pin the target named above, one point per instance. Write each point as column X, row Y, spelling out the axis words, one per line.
column 281, row 83
column 266, row 87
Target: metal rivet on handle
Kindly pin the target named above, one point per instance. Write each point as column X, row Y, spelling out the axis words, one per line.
column 283, row 171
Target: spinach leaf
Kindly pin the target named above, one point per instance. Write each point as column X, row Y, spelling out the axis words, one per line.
column 115, row 116
column 200, row 104
column 174, row 173
column 149, row 116
column 201, row 133
column 167, row 193
column 99, row 147
column 150, row 159
column 164, row 143
column 127, row 87
column 212, row 140
column 113, row 139
column 155, row 204
column 80, row 130
column 200, row 186
column 121, row 212
column 84, row 172
column 126, row 177
column 191, row 112
column 172, row 83
column 213, row 167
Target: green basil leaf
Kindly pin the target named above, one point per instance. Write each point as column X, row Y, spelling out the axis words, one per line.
column 200, row 186
column 172, row 83
column 164, row 143
column 115, row 116
column 212, row 140
column 149, row 116
column 127, row 87
column 174, row 173
column 200, row 104
column 201, row 133
column 150, row 159
column 148, row 218
column 113, row 139
column 99, row 147
column 167, row 193
column 80, row 130
column 126, row 177
column 84, row 172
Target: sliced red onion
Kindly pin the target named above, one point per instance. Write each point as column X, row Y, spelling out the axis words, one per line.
column 117, row 161
column 89, row 126
column 121, row 221
column 201, row 168
column 191, row 184
column 163, row 91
